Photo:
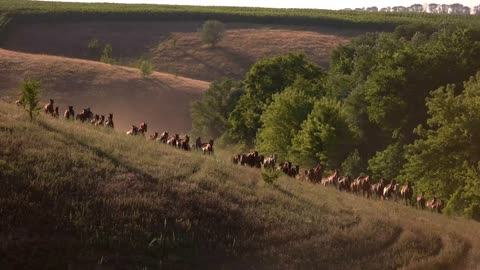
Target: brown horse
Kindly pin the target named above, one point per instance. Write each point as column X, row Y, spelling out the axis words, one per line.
column 69, row 113
column 56, row 114
column 49, row 107
column 436, row 204
column 389, row 190
column 421, row 200
column 365, row 186
column 95, row 119
column 143, row 128
column 315, row 175
column 208, row 148
column 332, row 179
column 407, row 192
column 109, row 122
column 163, row 138
column 85, row 115
column 198, row 143
column 154, row 136
column 377, row 188
column 184, row 143
column 133, row 131
column 173, row 140
column 269, row 162
column 236, row 159
column 344, row 183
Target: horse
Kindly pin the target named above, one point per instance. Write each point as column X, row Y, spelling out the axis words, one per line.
column 163, row 138
column 389, row 190
column 269, row 162
column 109, row 122
column 95, row 119
column 143, row 128
column 436, row 204
column 236, row 159
column 377, row 188
column 85, row 115
column 69, row 113
column 315, row 175
column 48, row 108
column 208, row 148
column 365, row 186
column 154, row 136
column 184, row 143
column 133, row 131
column 198, row 143
column 332, row 179
column 19, row 102
column 344, row 183
column 407, row 192
column 101, row 121
column 56, row 114
column 421, row 200
column 173, row 140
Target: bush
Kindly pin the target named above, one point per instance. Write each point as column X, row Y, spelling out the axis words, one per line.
column 29, row 96
column 106, row 55
column 270, row 176
column 146, row 67
column 93, row 47
column 212, row 32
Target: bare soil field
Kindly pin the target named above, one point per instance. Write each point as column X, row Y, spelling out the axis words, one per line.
column 242, row 46
column 162, row 100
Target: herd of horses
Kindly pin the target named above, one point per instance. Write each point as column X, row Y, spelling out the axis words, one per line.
column 363, row 185
column 99, row 120
column 382, row 189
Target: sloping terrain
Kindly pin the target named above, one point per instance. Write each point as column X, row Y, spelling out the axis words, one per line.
column 162, row 100
column 243, row 45
column 79, row 197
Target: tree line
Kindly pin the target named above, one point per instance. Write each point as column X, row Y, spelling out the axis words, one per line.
column 400, row 105
column 430, row 8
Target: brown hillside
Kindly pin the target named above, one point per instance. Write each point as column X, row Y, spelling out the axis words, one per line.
column 242, row 46
column 162, row 100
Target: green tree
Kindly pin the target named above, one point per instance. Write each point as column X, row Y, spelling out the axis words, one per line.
column 324, row 137
column 387, row 163
column 445, row 159
column 265, row 78
column 282, row 119
column 385, row 78
column 353, row 164
column 210, row 114
column 212, row 32
column 29, row 96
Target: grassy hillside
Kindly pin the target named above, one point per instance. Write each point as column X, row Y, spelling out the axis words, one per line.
column 78, row 197
column 162, row 100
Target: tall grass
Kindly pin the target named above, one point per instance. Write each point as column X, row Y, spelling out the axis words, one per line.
column 76, row 196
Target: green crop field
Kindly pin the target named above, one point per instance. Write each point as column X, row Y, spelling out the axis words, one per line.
column 23, row 10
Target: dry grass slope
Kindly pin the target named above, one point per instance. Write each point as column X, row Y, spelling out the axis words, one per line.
column 243, row 44
column 78, row 197
column 162, row 100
